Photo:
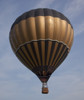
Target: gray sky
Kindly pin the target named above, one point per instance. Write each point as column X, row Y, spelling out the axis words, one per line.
column 19, row 83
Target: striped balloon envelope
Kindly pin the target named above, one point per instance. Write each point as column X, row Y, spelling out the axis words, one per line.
column 41, row 39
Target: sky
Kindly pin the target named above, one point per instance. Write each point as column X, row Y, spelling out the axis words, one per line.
column 19, row 83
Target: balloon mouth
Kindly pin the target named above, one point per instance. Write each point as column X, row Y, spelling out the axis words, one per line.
column 44, row 79
column 45, row 88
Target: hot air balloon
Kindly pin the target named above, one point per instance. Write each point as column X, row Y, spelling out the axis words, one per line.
column 41, row 39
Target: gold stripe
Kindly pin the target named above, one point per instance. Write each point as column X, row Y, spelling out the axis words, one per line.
column 49, row 27
column 20, row 58
column 63, row 30
column 32, row 54
column 23, row 48
column 71, row 39
column 68, row 34
column 18, row 35
column 60, row 58
column 40, row 27
column 37, row 52
column 19, row 51
column 23, row 30
column 56, row 29
column 48, row 52
column 57, row 55
column 31, row 28
column 53, row 54
column 43, row 52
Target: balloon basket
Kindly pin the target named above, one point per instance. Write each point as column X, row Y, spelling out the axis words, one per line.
column 44, row 88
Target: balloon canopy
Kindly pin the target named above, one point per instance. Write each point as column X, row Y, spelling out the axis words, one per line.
column 41, row 39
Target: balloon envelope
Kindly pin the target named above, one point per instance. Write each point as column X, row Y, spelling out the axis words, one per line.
column 41, row 39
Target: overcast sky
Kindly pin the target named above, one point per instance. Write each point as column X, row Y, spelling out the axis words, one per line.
column 19, row 83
